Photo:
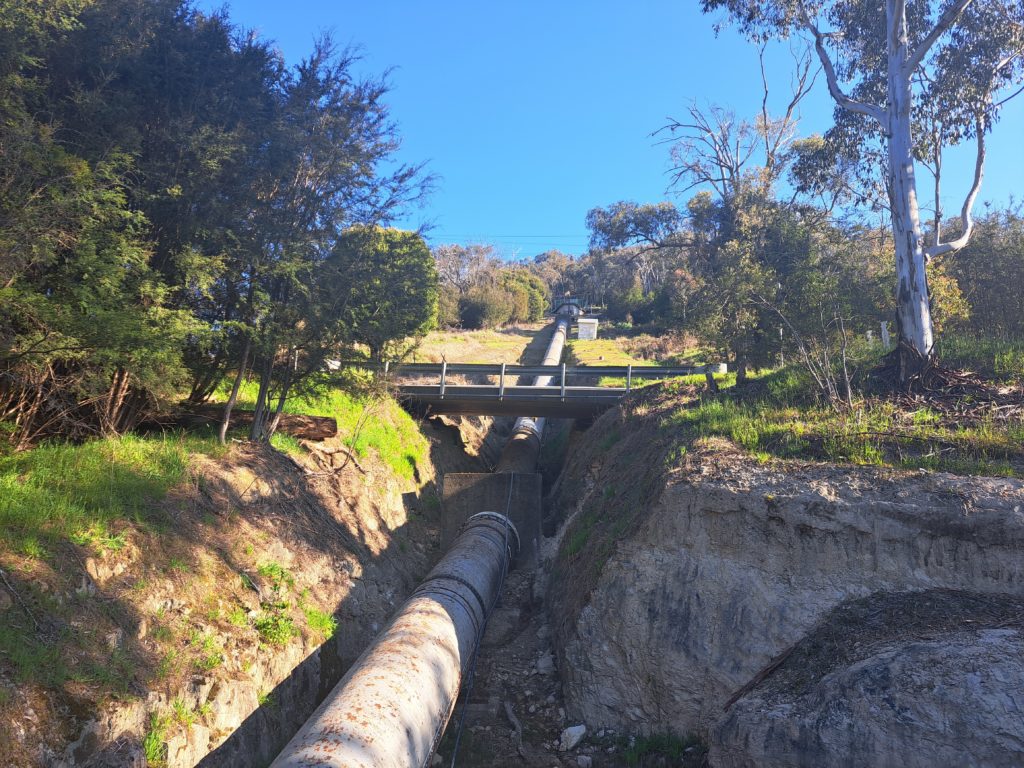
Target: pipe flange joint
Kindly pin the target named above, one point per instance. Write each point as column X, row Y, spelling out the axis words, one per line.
column 503, row 520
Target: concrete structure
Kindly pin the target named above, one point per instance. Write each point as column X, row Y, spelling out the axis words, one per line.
column 586, row 328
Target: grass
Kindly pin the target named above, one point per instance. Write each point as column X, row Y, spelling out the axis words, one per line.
column 275, row 627
column 31, row 659
column 783, row 423
column 491, row 346
column 656, row 749
column 998, row 359
column 628, row 350
column 154, row 742
column 81, row 492
column 321, row 623
column 365, row 424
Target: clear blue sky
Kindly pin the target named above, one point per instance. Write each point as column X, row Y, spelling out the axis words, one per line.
column 531, row 113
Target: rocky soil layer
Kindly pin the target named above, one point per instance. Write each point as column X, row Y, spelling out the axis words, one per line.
column 685, row 576
column 214, row 616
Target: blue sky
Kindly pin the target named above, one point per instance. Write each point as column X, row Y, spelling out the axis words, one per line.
column 531, row 113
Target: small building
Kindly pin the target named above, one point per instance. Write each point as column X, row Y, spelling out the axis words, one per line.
column 586, row 328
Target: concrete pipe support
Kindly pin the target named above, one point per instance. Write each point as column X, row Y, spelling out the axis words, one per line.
column 391, row 709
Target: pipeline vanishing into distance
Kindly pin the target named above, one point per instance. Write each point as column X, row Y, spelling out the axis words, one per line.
column 391, row 708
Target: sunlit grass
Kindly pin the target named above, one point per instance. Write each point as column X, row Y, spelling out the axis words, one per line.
column 1001, row 359
column 488, row 346
column 80, row 491
column 784, row 424
column 365, row 423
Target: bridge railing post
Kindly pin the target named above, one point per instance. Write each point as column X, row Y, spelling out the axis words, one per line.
column 629, row 378
column 444, row 374
column 563, row 382
column 501, row 383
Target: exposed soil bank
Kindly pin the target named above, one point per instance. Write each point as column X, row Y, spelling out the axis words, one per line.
column 686, row 571
column 220, row 618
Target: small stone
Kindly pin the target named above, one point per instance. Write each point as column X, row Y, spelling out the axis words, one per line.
column 550, row 699
column 142, row 630
column 546, row 664
column 571, row 736
column 86, row 588
column 585, row 761
column 436, row 761
column 533, row 709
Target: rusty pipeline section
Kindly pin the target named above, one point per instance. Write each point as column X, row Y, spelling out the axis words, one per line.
column 391, row 709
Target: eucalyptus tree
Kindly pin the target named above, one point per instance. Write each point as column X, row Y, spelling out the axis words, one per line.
column 958, row 56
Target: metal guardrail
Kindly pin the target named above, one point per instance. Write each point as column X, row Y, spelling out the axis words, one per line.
column 561, row 393
column 488, row 369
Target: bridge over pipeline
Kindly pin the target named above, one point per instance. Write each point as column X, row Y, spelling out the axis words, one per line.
column 560, row 398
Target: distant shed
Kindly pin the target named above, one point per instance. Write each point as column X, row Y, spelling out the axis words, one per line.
column 586, row 328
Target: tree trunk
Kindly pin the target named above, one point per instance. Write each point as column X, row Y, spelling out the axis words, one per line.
column 233, row 398
column 259, row 416
column 283, row 398
column 913, row 314
column 741, row 370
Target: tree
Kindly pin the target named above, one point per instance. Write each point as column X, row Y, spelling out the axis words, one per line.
column 386, row 286
column 880, row 68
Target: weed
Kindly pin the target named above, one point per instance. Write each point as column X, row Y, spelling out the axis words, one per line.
column 167, row 664
column 675, row 456
column 275, row 627
column 657, row 748
column 238, row 617
column 184, row 715
column 162, row 633
column 98, row 537
column 324, row 624
column 610, row 439
column 30, row 547
column 266, row 699
column 154, row 743
column 279, row 577
column 208, row 651
column 178, row 565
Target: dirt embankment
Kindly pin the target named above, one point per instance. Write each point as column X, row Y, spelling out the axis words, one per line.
column 699, row 590
column 221, row 627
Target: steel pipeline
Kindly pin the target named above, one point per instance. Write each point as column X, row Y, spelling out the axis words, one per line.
column 391, row 708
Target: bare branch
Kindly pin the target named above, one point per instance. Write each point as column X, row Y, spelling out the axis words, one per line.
column 966, row 217
column 946, row 20
column 871, row 110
